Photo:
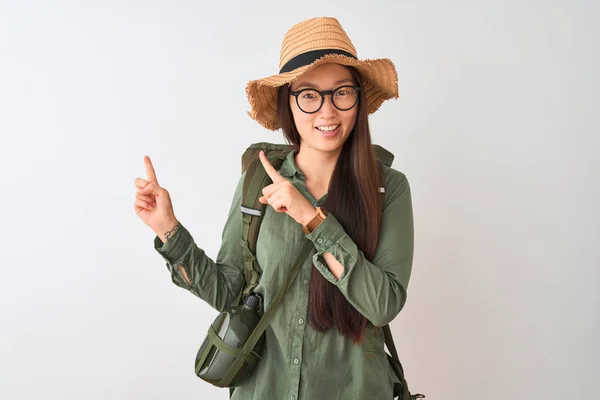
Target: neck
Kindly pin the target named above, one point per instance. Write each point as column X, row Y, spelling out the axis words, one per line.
column 317, row 166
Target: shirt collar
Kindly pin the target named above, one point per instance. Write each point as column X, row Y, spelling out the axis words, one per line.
column 288, row 166
column 289, row 169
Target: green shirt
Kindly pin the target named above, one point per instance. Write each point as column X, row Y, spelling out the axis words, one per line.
column 300, row 363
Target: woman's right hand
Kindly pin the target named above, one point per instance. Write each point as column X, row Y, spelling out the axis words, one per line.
column 153, row 203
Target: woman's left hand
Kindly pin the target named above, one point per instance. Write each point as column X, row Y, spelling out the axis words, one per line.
column 283, row 196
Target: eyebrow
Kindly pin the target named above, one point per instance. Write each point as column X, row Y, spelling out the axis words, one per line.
column 312, row 85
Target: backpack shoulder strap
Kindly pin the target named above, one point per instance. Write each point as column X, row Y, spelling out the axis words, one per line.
column 270, row 149
column 252, row 210
column 404, row 393
column 389, row 342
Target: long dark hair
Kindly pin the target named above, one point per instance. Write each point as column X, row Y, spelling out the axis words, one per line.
column 353, row 197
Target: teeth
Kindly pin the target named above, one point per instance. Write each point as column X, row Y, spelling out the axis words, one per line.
column 327, row 128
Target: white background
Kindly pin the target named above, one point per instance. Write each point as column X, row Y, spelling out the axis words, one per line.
column 495, row 128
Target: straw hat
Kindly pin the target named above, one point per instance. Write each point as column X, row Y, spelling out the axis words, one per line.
column 311, row 43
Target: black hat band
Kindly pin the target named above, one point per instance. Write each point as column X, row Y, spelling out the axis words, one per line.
column 309, row 57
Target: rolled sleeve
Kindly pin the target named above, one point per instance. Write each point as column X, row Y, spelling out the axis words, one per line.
column 330, row 237
column 176, row 248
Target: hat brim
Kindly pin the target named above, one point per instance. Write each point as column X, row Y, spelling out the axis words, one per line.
column 379, row 83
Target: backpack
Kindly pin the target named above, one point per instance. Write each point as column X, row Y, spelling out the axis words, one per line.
column 252, row 211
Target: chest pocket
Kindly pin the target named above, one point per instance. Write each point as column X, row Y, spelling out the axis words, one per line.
column 279, row 241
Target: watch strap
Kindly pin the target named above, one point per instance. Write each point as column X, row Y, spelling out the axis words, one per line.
column 316, row 221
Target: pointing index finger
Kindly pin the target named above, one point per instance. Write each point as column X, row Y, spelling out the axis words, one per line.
column 150, row 174
column 271, row 171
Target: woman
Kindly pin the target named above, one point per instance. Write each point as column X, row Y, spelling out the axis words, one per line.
column 324, row 341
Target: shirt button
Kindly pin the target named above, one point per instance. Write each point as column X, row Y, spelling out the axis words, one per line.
column 296, row 361
column 305, row 281
column 316, row 204
column 300, row 321
column 320, row 240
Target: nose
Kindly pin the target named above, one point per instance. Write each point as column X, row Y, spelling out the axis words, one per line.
column 328, row 110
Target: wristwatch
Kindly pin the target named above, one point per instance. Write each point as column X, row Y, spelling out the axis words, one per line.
column 312, row 225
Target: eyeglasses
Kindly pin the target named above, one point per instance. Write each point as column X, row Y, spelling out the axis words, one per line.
column 311, row 100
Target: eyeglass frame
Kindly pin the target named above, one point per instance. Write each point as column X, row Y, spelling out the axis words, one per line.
column 323, row 93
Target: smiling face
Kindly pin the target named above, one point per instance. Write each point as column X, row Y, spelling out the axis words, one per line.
column 327, row 129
